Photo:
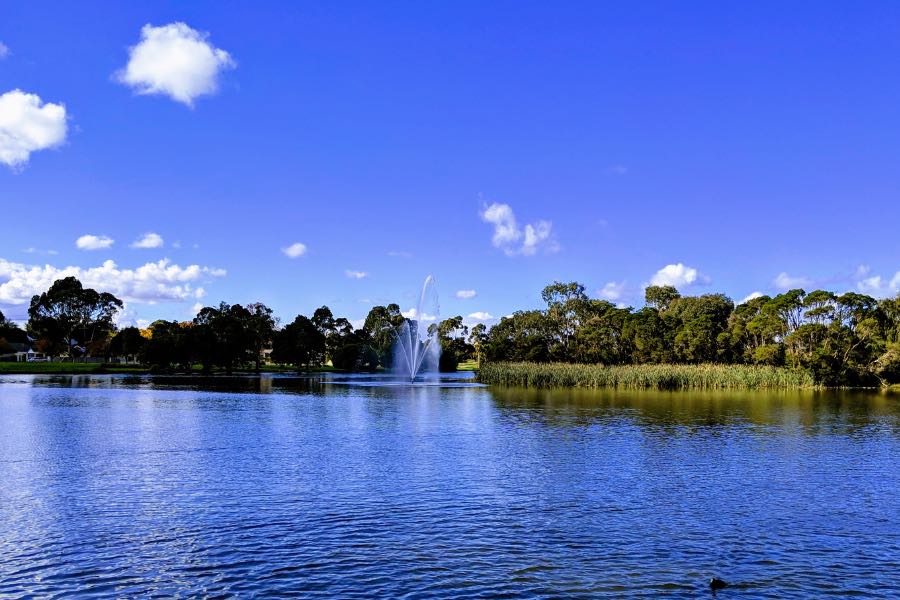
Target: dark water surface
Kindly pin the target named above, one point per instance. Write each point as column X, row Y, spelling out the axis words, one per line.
column 126, row 486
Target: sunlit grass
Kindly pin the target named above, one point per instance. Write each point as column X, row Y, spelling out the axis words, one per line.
column 663, row 377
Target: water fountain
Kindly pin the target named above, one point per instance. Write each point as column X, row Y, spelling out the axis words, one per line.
column 417, row 349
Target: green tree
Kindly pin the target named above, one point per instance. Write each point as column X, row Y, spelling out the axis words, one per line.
column 68, row 315
column 567, row 306
column 299, row 343
column 660, row 297
column 128, row 342
column 261, row 329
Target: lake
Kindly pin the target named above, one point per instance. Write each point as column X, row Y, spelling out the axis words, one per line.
column 350, row 487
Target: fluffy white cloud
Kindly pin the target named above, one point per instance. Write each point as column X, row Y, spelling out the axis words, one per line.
column 148, row 240
column 513, row 239
column 877, row 285
column 786, row 282
column 174, row 60
column 480, row 315
column 294, row 250
column 751, row 296
column 612, row 291
column 4, row 50
column 466, row 294
column 412, row 313
column 152, row 282
column 356, row 274
column 27, row 125
column 677, row 275
column 93, row 242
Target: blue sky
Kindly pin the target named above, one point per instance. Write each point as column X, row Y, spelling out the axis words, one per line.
column 736, row 148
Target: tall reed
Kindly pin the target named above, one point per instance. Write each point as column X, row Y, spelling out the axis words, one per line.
column 663, row 377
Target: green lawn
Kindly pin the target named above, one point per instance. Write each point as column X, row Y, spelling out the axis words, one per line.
column 24, row 368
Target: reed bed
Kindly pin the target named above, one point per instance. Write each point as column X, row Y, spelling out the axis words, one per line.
column 662, row 377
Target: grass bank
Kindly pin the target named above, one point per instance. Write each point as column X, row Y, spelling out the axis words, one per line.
column 65, row 368
column 662, row 377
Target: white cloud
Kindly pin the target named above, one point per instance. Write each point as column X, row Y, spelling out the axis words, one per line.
column 148, row 240
column 93, row 242
column 4, row 50
column 294, row 250
column 511, row 238
column 399, row 254
column 751, row 296
column 481, row 315
column 412, row 313
column 152, row 282
column 786, row 282
column 677, row 275
column 356, row 274
column 196, row 308
column 612, row 291
column 174, row 60
column 27, row 125
column 879, row 286
column 466, row 294
column 33, row 250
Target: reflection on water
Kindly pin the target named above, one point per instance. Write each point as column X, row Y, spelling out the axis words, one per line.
column 350, row 487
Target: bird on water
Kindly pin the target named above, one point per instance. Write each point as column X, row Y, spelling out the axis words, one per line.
column 717, row 584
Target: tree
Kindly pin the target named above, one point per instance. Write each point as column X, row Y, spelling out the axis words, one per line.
column 567, row 305
column 700, row 320
column 660, row 297
column 524, row 336
column 128, row 342
column 260, row 329
column 380, row 329
column 298, row 343
column 68, row 315
column 222, row 336
column 600, row 339
column 169, row 343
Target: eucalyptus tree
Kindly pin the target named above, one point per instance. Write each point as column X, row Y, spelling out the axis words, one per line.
column 69, row 315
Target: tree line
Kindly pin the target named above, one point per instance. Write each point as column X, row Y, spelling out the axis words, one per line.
column 846, row 339
column 840, row 339
column 73, row 321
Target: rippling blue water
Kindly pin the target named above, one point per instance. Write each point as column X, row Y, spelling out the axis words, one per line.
column 135, row 487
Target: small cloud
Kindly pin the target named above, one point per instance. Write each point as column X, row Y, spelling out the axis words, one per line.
column 356, row 274
column 4, row 50
column 93, row 242
column 27, row 125
column 786, row 282
column 612, row 291
column 412, row 313
column 481, row 315
column 33, row 250
column 678, row 275
column 399, row 254
column 751, row 296
column 466, row 294
column 174, row 60
column 617, row 169
column 879, row 286
column 295, row 250
column 149, row 240
column 176, row 244
column 515, row 240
